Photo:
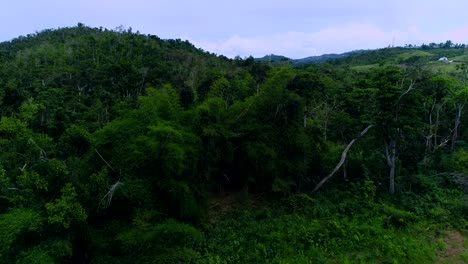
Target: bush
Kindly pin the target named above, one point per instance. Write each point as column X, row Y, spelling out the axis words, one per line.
column 166, row 242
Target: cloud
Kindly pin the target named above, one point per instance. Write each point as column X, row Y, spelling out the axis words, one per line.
column 294, row 28
column 336, row 39
column 295, row 44
column 458, row 35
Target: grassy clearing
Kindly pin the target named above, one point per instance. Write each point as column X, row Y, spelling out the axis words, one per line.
column 455, row 249
column 442, row 67
column 355, row 227
column 463, row 58
column 414, row 54
column 364, row 68
column 421, row 57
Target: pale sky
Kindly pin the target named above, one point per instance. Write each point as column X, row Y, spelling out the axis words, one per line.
column 293, row 28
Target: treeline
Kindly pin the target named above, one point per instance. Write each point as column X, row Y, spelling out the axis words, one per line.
column 442, row 45
column 447, row 45
column 111, row 142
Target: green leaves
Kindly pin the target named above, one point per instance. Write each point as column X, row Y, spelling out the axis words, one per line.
column 66, row 210
column 461, row 94
column 45, row 253
column 31, row 180
column 166, row 242
column 15, row 223
column 458, row 161
column 29, row 109
column 75, row 141
column 11, row 126
column 160, row 103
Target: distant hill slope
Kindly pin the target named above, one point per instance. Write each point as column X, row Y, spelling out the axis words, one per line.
column 400, row 55
column 273, row 58
column 362, row 60
column 327, row 57
column 426, row 57
column 278, row 59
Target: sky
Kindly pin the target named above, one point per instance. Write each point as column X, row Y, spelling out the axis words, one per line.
column 293, row 28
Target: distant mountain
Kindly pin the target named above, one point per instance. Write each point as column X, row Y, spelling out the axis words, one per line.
column 326, row 57
column 276, row 59
column 273, row 58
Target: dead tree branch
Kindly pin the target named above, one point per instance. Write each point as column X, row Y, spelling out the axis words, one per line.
column 413, row 82
column 107, row 199
column 245, row 111
column 343, row 158
column 104, row 160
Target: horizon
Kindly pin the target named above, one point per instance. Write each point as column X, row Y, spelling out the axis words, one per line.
column 136, row 31
column 296, row 29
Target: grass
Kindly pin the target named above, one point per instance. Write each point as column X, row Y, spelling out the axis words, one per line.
column 463, row 58
column 455, row 248
column 434, row 66
column 413, row 54
column 355, row 227
column 364, row 68
column 442, row 67
column 428, row 58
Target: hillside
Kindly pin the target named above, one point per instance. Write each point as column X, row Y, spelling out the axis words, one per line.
column 327, row 57
column 118, row 147
column 363, row 60
column 278, row 59
column 90, row 62
column 404, row 57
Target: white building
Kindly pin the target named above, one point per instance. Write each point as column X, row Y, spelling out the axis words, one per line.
column 444, row 59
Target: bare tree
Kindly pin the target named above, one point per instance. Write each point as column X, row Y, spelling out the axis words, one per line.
column 458, row 115
column 342, row 160
column 390, row 154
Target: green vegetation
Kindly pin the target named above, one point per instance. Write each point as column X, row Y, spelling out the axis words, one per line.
column 118, row 147
column 425, row 58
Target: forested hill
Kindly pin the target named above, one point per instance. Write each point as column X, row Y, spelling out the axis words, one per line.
column 100, row 64
column 278, row 59
column 118, row 147
column 427, row 55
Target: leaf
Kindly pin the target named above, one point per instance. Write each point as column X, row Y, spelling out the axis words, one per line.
column 67, row 209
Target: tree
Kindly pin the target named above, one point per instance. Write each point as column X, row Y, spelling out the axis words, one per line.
column 460, row 98
column 66, row 210
column 447, row 45
column 397, row 113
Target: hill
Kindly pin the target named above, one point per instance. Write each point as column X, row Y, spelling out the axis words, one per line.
column 278, row 59
column 273, row 59
column 327, row 57
column 362, row 60
column 88, row 65
column 404, row 57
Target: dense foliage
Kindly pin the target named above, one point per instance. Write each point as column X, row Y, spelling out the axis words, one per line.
column 118, row 147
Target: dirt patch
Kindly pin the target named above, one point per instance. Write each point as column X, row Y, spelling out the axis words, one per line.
column 222, row 203
column 455, row 248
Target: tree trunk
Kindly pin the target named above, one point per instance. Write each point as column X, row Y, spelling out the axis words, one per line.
column 457, row 124
column 391, row 188
column 436, row 129
column 390, row 153
column 431, row 128
column 429, row 137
